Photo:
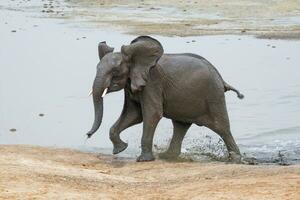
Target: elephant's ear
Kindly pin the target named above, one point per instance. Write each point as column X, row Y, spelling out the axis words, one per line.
column 142, row 54
column 103, row 49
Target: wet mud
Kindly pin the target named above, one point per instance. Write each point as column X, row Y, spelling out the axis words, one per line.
column 264, row 19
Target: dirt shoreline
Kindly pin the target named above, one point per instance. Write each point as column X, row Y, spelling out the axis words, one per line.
column 263, row 19
column 32, row 172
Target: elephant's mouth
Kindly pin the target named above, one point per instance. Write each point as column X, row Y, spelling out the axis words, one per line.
column 103, row 94
column 114, row 87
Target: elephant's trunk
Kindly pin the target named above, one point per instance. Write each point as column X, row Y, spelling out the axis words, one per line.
column 98, row 105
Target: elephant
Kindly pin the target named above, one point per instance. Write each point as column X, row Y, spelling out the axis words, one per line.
column 183, row 87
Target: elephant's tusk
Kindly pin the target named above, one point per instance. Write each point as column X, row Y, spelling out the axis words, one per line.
column 104, row 92
column 91, row 92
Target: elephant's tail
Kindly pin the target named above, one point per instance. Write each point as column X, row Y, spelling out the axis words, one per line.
column 228, row 87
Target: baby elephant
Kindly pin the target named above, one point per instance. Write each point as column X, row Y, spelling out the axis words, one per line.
column 184, row 87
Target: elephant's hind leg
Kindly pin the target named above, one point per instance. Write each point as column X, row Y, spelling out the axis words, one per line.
column 130, row 116
column 219, row 123
column 180, row 129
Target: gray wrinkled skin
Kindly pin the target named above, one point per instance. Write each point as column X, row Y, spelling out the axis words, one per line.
column 185, row 88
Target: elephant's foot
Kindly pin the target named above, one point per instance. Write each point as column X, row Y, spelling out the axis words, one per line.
column 144, row 157
column 119, row 147
column 168, row 155
column 235, row 157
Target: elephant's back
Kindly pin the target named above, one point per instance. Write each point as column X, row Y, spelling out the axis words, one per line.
column 189, row 70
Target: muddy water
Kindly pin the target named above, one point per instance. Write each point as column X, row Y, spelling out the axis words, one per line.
column 47, row 69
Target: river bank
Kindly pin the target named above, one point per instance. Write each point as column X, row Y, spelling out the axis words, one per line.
column 32, row 172
column 56, row 109
column 263, row 19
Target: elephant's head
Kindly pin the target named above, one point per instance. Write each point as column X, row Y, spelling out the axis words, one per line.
column 115, row 69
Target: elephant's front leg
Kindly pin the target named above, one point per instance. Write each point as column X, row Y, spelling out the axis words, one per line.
column 152, row 110
column 150, row 120
column 130, row 116
column 180, row 129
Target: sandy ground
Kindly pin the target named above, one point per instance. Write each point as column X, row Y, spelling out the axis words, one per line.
column 29, row 172
column 267, row 19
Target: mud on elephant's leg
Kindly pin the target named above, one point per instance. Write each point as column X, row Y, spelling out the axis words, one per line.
column 220, row 124
column 179, row 132
column 130, row 116
column 232, row 148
